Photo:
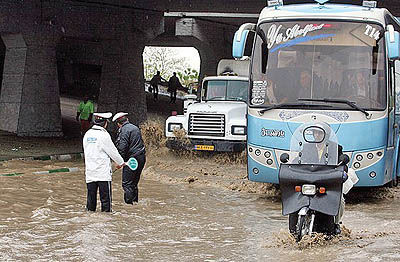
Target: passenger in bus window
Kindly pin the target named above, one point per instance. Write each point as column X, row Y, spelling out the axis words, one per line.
column 360, row 86
column 305, row 85
column 270, row 92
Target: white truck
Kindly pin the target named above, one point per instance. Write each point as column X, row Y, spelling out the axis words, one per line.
column 216, row 121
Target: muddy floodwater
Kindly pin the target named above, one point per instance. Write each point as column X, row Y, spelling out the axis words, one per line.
column 190, row 209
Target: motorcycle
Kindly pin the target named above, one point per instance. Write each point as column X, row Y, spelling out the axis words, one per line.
column 313, row 178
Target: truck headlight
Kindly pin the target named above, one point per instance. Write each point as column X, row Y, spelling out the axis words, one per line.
column 238, row 130
column 174, row 126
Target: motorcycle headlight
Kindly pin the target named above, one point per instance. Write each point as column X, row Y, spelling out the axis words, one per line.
column 308, row 190
column 238, row 130
column 174, row 126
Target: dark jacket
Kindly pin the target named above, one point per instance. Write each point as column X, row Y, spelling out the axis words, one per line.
column 173, row 84
column 129, row 141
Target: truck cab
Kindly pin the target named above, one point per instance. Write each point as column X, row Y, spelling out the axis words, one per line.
column 216, row 120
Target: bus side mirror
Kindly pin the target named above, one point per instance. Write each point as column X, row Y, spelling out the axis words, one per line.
column 344, row 159
column 392, row 39
column 240, row 38
column 284, row 158
column 238, row 46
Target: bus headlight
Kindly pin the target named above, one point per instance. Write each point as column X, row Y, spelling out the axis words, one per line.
column 238, row 130
column 366, row 159
column 174, row 126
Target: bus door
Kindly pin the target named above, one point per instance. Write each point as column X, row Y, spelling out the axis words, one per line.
column 392, row 117
column 396, row 83
column 396, row 87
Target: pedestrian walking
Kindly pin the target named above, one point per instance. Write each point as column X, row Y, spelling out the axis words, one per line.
column 129, row 143
column 173, row 85
column 99, row 150
column 84, row 114
column 154, row 82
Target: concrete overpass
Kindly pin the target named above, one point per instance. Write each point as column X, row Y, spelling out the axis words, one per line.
column 49, row 46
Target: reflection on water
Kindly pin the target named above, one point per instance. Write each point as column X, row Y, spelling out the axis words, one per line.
column 43, row 217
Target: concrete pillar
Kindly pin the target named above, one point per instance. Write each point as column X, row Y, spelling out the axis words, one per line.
column 30, row 103
column 213, row 41
column 122, row 77
column 122, row 81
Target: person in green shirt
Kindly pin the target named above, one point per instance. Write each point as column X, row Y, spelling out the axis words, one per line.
column 84, row 114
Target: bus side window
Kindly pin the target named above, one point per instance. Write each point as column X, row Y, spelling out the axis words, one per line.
column 396, row 85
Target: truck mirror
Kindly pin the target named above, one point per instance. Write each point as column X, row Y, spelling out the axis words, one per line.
column 392, row 39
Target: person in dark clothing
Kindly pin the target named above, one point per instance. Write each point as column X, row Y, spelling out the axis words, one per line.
column 173, row 85
column 129, row 143
column 154, row 84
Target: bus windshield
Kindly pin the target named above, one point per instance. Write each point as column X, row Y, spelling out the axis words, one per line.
column 319, row 60
column 226, row 90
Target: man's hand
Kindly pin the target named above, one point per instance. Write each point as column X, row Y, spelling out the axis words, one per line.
column 120, row 166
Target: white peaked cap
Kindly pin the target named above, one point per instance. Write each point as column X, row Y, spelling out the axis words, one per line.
column 118, row 115
column 103, row 115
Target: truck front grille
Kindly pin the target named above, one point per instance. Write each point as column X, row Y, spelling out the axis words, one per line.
column 206, row 125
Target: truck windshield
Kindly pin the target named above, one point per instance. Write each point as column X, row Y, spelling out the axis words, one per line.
column 226, row 90
column 319, row 60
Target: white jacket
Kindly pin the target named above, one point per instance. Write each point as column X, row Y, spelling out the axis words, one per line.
column 99, row 148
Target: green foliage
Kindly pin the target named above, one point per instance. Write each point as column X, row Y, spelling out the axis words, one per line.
column 167, row 61
column 188, row 76
column 161, row 59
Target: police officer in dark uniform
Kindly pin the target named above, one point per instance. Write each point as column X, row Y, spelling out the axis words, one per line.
column 129, row 143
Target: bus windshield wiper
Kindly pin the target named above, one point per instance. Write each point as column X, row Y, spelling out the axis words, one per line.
column 340, row 101
column 284, row 105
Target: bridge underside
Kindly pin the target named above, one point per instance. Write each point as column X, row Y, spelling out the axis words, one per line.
column 95, row 47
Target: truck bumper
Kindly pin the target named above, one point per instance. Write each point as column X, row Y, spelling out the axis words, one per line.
column 207, row 145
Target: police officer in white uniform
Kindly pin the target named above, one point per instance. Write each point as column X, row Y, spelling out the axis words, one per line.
column 99, row 150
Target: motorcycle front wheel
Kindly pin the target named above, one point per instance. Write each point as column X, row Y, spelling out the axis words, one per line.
column 303, row 226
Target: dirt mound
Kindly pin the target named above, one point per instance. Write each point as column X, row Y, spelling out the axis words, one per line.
column 153, row 133
column 363, row 195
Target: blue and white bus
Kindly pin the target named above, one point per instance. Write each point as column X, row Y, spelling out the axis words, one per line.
column 329, row 63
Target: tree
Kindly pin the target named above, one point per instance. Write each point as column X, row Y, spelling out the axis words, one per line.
column 188, row 76
column 162, row 59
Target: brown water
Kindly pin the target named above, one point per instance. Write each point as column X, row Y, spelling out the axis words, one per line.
column 43, row 217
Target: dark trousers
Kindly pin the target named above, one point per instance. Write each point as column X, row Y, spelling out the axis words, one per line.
column 155, row 92
column 173, row 96
column 105, row 195
column 85, row 126
column 130, row 180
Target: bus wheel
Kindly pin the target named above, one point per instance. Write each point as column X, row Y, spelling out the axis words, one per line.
column 394, row 182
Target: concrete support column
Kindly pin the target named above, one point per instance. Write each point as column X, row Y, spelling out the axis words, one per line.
column 30, row 103
column 209, row 60
column 213, row 41
column 122, row 81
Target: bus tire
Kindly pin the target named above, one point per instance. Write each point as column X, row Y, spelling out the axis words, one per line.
column 394, row 182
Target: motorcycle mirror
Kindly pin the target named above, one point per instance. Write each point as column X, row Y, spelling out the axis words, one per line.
column 344, row 159
column 284, row 158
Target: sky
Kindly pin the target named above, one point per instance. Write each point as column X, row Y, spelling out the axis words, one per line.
column 191, row 56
